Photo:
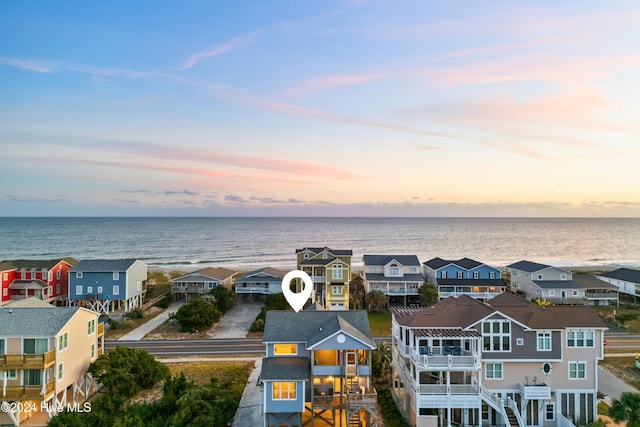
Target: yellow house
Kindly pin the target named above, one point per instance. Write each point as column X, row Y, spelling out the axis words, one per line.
column 44, row 355
column 330, row 270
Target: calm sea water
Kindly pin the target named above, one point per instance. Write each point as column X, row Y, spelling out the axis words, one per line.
column 257, row 242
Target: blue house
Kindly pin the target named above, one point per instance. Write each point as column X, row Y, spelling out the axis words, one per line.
column 318, row 369
column 464, row 277
column 108, row 285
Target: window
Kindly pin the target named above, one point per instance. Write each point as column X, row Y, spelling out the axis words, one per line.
column 89, row 290
column 63, row 341
column 394, row 270
column 459, row 274
column 32, row 377
column 12, row 374
column 574, row 293
column 563, row 277
column 492, row 275
column 519, row 341
column 324, row 255
column 539, row 277
column 5, row 292
column 49, row 276
column 91, row 326
column 496, row 335
column 549, row 412
column 2, row 349
column 116, row 290
column 210, row 285
column 443, row 274
column 476, row 274
column 79, row 290
column 337, row 271
column 493, row 371
column 35, row 345
column 580, row 338
column 58, row 275
column 5, row 276
column 280, row 349
column 577, row 370
column 284, row 390
column 79, row 275
column 60, row 371
column 552, row 293
column 306, row 256
column 546, row 368
column 99, row 289
column 544, row 341
column 116, row 275
column 92, row 352
column 337, row 290
column 58, row 288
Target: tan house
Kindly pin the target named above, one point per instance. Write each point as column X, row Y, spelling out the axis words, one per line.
column 201, row 282
column 44, row 355
column 507, row 361
column 330, row 271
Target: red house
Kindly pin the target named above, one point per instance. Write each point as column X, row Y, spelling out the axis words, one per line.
column 47, row 280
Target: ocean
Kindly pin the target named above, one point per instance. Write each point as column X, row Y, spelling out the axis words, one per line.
column 189, row 243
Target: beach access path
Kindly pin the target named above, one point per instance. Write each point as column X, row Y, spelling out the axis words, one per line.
column 138, row 333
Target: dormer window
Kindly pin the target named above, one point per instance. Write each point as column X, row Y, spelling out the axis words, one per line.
column 539, row 277
column 324, row 255
column 394, row 270
column 563, row 277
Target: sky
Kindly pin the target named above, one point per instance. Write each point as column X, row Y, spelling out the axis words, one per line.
column 320, row 108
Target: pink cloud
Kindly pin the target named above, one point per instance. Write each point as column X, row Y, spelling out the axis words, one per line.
column 329, row 82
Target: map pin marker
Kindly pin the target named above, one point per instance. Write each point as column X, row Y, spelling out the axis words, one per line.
column 297, row 300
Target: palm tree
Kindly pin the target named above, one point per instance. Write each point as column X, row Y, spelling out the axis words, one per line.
column 356, row 291
column 381, row 363
column 376, row 299
column 627, row 408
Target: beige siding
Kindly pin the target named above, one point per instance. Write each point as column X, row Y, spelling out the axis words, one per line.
column 77, row 356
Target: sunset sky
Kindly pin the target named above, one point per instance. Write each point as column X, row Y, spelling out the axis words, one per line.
column 320, row 108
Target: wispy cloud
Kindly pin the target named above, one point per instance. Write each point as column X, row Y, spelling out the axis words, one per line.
column 233, row 44
column 181, row 192
column 29, row 64
column 329, row 82
column 45, row 200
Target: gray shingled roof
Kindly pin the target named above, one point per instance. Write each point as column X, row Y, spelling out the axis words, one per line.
column 557, row 284
column 337, row 324
column 379, row 277
column 104, row 265
column 34, row 322
column 405, row 260
column 262, row 274
column 528, row 266
column 589, row 281
column 626, row 274
column 336, row 252
column 289, row 326
column 466, row 263
column 285, row 368
column 28, row 264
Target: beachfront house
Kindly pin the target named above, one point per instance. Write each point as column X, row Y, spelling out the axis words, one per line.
column 507, row 361
column 540, row 281
column 108, row 285
column 464, row 276
column 44, row 355
column 200, row 282
column 330, row 271
column 47, row 280
column 627, row 280
column 398, row 276
column 597, row 292
column 255, row 284
column 317, row 369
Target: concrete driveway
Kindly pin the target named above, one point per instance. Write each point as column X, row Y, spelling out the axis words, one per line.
column 236, row 322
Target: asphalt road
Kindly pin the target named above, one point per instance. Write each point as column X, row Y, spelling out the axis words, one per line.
column 622, row 341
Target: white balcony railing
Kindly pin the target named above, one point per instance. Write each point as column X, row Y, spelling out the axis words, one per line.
column 449, row 389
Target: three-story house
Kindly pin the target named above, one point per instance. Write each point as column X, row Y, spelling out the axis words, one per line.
column 318, row 369
column 464, row 277
column 507, row 361
column 398, row 276
column 330, row 271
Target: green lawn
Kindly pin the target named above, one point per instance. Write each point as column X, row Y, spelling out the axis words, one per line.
column 380, row 322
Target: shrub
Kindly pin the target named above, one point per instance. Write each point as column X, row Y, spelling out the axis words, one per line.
column 114, row 324
column 224, row 298
column 392, row 415
column 198, row 314
column 136, row 313
column 165, row 302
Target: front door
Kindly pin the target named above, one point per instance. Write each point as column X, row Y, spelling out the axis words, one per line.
column 351, row 360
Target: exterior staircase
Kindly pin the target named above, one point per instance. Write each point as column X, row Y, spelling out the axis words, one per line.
column 513, row 421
